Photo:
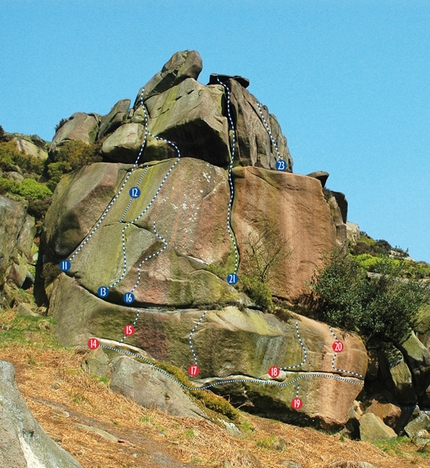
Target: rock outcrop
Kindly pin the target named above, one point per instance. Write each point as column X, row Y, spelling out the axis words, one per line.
column 17, row 230
column 23, row 443
column 163, row 245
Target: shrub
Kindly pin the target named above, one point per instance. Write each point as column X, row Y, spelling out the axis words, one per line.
column 31, row 189
column 10, row 156
column 383, row 305
column 257, row 290
column 70, row 156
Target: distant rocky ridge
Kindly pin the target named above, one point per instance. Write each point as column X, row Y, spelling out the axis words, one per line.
column 237, row 338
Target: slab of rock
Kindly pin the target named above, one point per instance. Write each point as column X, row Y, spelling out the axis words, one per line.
column 254, row 145
column 322, row 176
column 397, row 375
column 182, row 65
column 23, row 443
column 418, row 430
column 388, row 412
column 190, row 115
column 373, row 428
column 79, row 126
column 417, row 357
column 36, row 147
column 114, row 119
column 152, row 389
column 292, row 209
column 181, row 212
column 17, row 230
column 124, row 144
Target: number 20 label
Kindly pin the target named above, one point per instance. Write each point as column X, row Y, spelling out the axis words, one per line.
column 338, row 346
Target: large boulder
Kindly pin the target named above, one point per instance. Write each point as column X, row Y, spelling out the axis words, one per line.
column 152, row 389
column 32, row 146
column 80, row 126
column 182, row 65
column 229, row 344
column 114, row 119
column 17, row 230
column 373, row 428
column 254, row 143
column 124, row 143
column 417, row 356
column 190, row 214
column 273, row 209
column 23, row 442
column 191, row 115
column 397, row 375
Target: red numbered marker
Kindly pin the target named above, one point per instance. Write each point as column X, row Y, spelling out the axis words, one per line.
column 296, row 404
column 194, row 370
column 274, row 372
column 93, row 343
column 129, row 330
column 338, row 346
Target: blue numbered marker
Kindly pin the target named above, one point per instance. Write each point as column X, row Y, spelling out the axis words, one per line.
column 65, row 265
column 128, row 298
column 281, row 165
column 102, row 292
column 134, row 192
column 232, row 278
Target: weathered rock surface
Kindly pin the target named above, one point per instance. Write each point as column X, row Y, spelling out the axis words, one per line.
column 417, row 357
column 23, row 443
column 79, row 126
column 229, row 344
column 389, row 413
column 373, row 428
column 17, row 231
column 254, row 145
column 182, row 65
column 114, row 119
column 152, row 389
column 292, row 210
column 124, row 144
column 397, row 375
column 418, row 430
column 190, row 114
column 33, row 146
column 322, row 176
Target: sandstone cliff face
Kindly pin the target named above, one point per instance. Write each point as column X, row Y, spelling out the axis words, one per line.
column 189, row 188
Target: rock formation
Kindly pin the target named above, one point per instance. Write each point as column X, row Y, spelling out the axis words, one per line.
column 166, row 245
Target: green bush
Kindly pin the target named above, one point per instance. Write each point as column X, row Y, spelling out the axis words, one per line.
column 31, row 189
column 10, row 156
column 71, row 155
column 383, row 305
column 257, row 290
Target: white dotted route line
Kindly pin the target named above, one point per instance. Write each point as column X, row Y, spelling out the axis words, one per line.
column 305, row 355
column 149, row 257
column 124, row 250
column 190, row 339
column 228, row 381
column 230, row 168
column 268, row 130
column 132, row 198
column 99, row 222
column 343, row 371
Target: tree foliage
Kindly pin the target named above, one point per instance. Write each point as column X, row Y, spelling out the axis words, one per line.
column 382, row 305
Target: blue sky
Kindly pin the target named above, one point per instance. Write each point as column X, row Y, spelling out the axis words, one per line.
column 349, row 82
